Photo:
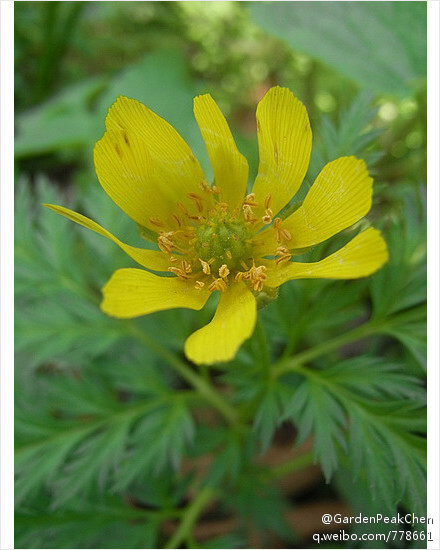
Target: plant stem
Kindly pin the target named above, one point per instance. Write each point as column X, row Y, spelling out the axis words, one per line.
column 202, row 386
column 358, row 333
column 292, row 465
column 190, row 517
column 263, row 348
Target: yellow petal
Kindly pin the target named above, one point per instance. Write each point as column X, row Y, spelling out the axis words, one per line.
column 340, row 196
column 229, row 165
column 152, row 259
column 232, row 323
column 362, row 256
column 143, row 163
column 285, row 143
column 134, row 292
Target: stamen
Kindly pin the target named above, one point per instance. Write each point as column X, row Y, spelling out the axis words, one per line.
column 248, row 213
column 165, row 244
column 281, row 234
column 157, row 222
column 267, row 201
column 186, row 266
column 179, row 272
column 199, row 285
column 250, row 200
column 223, row 271
column 257, row 276
column 228, row 254
column 197, row 199
column 286, row 235
column 241, row 276
column 206, row 268
column 218, row 284
column 283, row 258
column 204, row 186
column 283, row 254
column 267, row 218
column 183, row 208
column 176, row 219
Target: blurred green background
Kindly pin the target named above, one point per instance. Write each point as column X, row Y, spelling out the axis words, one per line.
column 85, row 383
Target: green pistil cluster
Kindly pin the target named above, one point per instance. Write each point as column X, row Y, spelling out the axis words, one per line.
column 224, row 241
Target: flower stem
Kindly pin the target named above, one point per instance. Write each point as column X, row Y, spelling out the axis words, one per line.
column 206, row 390
column 367, row 329
column 190, row 517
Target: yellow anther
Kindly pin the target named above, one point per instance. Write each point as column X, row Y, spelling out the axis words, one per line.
column 242, row 276
column 197, row 199
column 249, row 213
column 223, row 271
column 165, row 244
column 257, row 276
column 157, row 222
column 204, row 186
column 179, row 272
column 258, row 286
column 218, row 284
column 186, row 266
column 267, row 201
column 173, row 259
column 250, row 200
column 286, row 235
column 206, row 268
column 267, row 218
column 282, row 253
column 176, row 219
column 199, row 285
column 228, row 254
column 276, row 226
column 283, row 258
column 183, row 208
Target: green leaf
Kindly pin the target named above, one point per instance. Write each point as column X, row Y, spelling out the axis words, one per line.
column 384, row 431
column 315, row 411
column 379, row 45
column 95, row 523
column 160, row 439
column 77, row 438
column 92, row 462
column 260, row 504
column 63, row 123
column 270, row 411
column 401, row 283
column 413, row 337
column 56, row 294
column 226, row 541
column 346, row 137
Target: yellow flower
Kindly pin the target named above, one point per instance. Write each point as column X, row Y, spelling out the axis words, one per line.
column 215, row 237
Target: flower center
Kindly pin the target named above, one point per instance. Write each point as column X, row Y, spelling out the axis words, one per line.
column 211, row 246
column 222, row 241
